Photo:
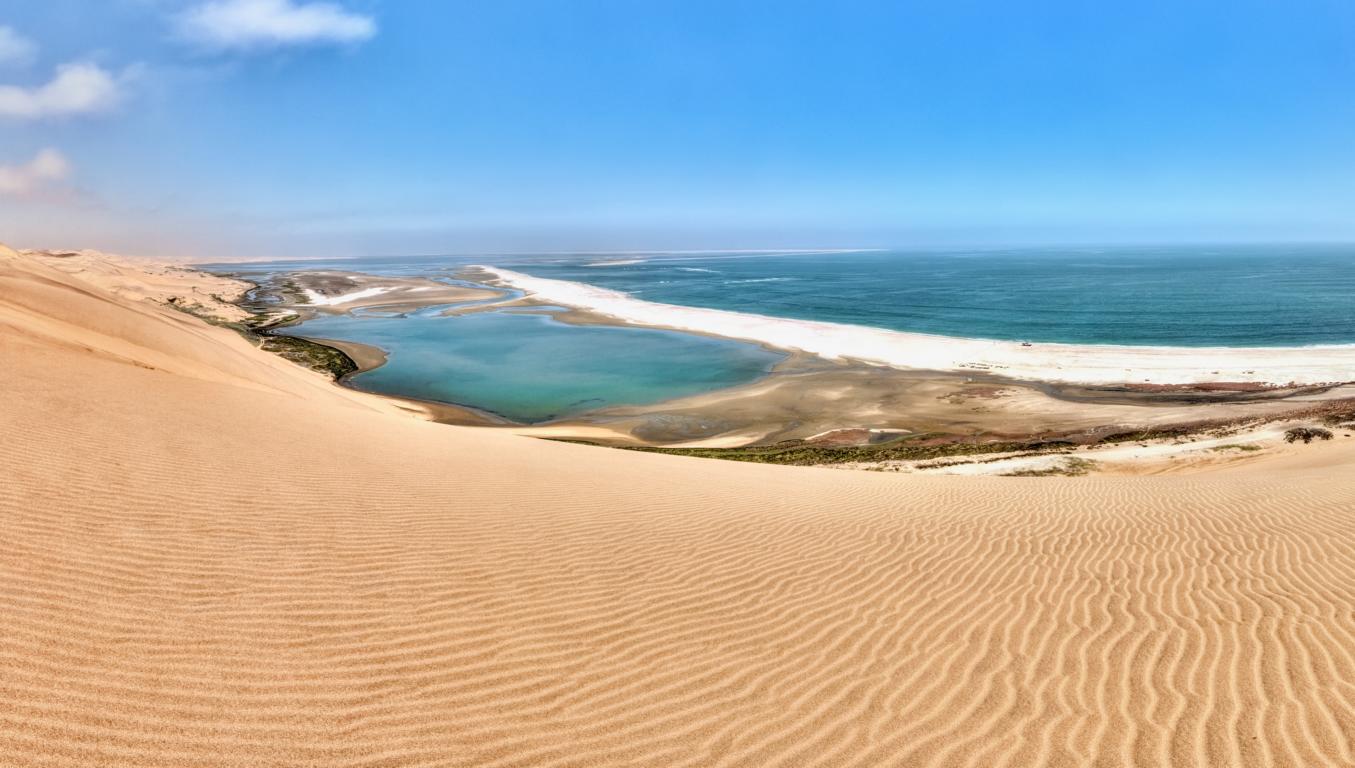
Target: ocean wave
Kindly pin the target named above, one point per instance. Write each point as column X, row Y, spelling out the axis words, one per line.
column 1042, row 361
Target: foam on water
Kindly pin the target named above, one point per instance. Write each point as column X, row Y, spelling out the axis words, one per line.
column 1159, row 296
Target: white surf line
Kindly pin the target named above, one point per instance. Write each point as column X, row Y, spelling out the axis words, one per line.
column 319, row 299
column 1069, row 363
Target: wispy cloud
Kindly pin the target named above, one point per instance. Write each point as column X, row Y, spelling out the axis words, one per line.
column 14, row 48
column 249, row 24
column 36, row 178
column 76, row 89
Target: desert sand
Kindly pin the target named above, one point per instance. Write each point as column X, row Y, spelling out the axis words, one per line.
column 213, row 557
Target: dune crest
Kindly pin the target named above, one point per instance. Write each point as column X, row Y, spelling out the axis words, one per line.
column 214, row 557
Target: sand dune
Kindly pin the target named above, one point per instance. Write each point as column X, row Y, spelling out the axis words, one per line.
column 211, row 557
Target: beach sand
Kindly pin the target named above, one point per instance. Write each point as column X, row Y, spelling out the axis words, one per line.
column 808, row 397
column 214, row 557
column 336, row 291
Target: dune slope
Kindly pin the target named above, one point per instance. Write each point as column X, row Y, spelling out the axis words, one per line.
column 211, row 557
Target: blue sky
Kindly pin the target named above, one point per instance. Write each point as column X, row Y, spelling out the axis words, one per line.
column 219, row 128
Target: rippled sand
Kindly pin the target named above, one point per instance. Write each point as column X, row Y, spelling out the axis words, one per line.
column 211, row 557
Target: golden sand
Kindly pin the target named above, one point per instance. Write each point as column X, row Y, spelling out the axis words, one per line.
column 212, row 557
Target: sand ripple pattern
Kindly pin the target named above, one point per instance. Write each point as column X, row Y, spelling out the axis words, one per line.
column 193, row 573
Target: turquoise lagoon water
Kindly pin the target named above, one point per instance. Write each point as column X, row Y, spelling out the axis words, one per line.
column 531, row 367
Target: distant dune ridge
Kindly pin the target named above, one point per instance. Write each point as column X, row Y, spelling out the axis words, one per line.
column 213, row 557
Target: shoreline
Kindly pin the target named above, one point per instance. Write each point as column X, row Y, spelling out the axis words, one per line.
column 368, row 358
column 807, row 396
column 274, row 319
column 1169, row 412
column 1086, row 364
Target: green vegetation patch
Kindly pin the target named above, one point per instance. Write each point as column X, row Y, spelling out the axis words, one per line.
column 1342, row 418
column 911, row 448
column 258, row 329
column 1170, row 432
column 1071, row 466
column 1306, row 434
column 317, row 357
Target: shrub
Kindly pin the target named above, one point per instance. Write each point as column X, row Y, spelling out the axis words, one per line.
column 1306, row 434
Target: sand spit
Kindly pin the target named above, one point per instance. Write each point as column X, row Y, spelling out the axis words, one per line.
column 319, row 299
column 336, row 291
column 1069, row 363
column 807, row 397
column 212, row 557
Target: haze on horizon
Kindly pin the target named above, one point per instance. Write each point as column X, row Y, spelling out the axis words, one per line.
column 291, row 128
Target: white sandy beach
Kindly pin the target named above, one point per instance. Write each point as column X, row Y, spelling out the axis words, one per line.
column 1069, row 363
column 320, row 300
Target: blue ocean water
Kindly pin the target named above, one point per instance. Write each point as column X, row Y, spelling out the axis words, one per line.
column 1239, row 296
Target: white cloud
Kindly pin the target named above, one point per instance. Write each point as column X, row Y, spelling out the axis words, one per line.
column 14, row 49
column 243, row 24
column 32, row 179
column 76, row 89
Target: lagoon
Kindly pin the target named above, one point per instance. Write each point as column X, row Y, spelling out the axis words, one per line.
column 530, row 367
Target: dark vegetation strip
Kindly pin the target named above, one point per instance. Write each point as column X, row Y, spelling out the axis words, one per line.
column 262, row 331
column 927, row 446
column 910, row 448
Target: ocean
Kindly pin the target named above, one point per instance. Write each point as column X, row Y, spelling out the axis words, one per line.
column 1243, row 296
